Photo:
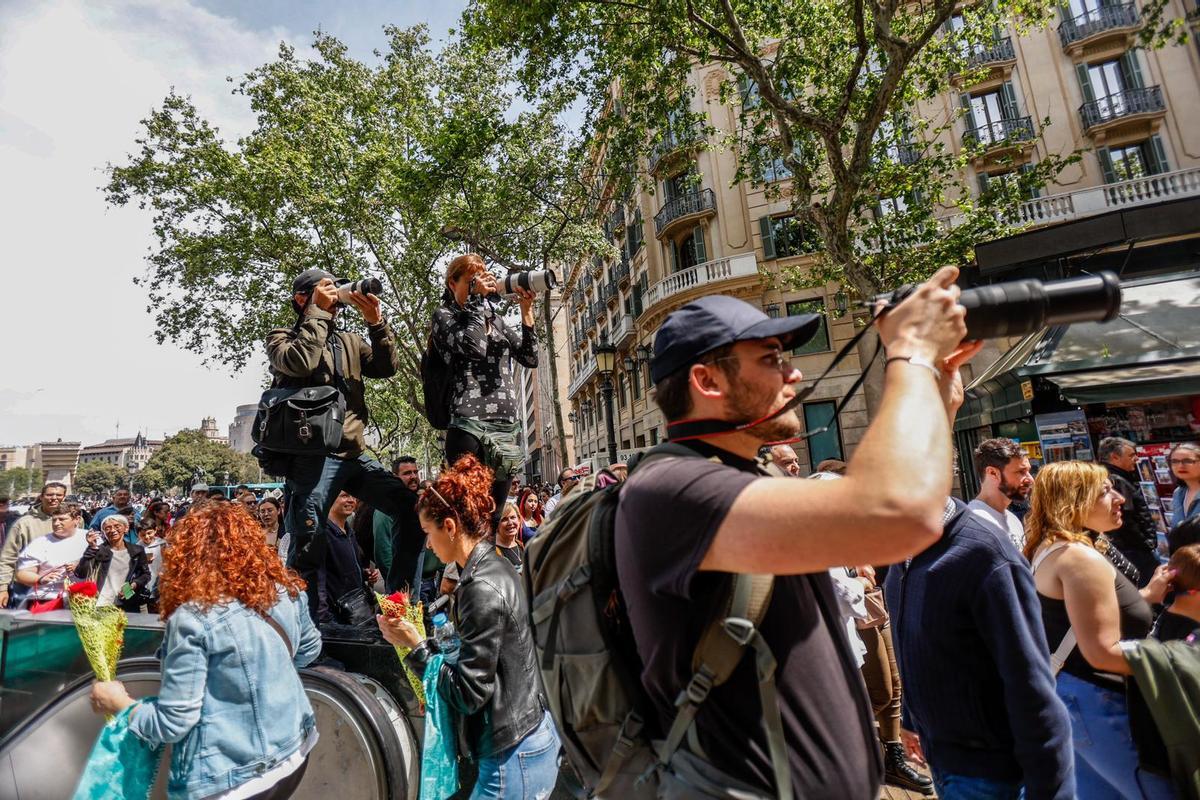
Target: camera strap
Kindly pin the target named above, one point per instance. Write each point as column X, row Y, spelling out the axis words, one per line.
column 687, row 429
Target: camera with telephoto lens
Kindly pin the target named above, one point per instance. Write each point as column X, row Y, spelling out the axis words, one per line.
column 365, row 286
column 1015, row 308
column 536, row 281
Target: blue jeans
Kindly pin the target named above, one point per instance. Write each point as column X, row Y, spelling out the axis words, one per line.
column 967, row 787
column 1106, row 764
column 526, row 771
column 312, row 484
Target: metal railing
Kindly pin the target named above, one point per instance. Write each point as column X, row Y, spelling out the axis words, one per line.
column 622, row 329
column 620, row 270
column 999, row 132
column 684, row 205
column 1144, row 100
column 908, row 153
column 719, row 269
column 614, row 224
column 599, row 309
column 1098, row 20
column 674, row 140
column 999, row 50
column 581, row 377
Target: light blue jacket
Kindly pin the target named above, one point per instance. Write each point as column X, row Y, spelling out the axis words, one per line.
column 231, row 700
column 1180, row 513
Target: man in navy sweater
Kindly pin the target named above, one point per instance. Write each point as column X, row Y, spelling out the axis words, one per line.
column 971, row 651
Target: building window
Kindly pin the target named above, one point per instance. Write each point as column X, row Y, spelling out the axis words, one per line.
column 827, row 444
column 688, row 251
column 988, row 112
column 819, row 343
column 1127, row 162
column 653, row 436
column 1106, row 84
column 995, row 182
column 785, row 236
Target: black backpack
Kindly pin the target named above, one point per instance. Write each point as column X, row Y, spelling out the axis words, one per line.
column 590, row 666
column 437, row 385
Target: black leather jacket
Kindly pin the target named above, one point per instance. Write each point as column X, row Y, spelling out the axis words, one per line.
column 496, row 685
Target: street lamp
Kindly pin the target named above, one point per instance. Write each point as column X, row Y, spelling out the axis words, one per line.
column 606, row 360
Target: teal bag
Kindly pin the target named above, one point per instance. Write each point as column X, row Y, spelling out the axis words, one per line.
column 439, row 756
column 121, row 766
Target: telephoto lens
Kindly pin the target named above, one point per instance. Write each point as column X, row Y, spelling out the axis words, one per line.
column 365, row 286
column 1016, row 308
column 536, row 281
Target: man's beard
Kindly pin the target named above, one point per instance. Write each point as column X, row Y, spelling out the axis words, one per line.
column 1013, row 492
column 747, row 407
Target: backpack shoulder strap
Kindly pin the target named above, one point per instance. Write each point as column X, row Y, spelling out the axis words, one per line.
column 717, row 655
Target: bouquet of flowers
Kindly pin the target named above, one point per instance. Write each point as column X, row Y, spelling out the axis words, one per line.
column 397, row 605
column 101, row 628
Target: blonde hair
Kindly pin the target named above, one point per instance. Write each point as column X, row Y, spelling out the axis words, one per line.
column 1063, row 496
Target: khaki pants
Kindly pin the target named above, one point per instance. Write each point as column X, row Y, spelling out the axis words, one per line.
column 883, row 680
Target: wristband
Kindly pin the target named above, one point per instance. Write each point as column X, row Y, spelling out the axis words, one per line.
column 916, row 361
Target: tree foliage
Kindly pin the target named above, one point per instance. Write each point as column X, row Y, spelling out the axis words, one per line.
column 190, row 456
column 833, row 90
column 379, row 170
column 16, row 482
column 98, row 477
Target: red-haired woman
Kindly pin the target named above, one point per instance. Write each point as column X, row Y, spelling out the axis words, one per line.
column 494, row 684
column 237, row 628
column 529, row 506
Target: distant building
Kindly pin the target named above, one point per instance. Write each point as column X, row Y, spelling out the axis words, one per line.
column 239, row 429
column 125, row 453
column 57, row 461
column 545, row 453
column 14, row 457
column 209, row 428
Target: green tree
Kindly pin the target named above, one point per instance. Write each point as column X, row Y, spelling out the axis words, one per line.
column 381, row 170
column 18, row 481
column 98, row 477
column 189, row 456
column 835, row 92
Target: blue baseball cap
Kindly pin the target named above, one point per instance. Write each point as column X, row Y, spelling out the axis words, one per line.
column 715, row 321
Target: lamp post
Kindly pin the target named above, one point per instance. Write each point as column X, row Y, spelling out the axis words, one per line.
column 606, row 360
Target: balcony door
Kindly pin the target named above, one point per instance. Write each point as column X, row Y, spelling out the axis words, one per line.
column 987, row 117
column 688, row 251
column 1109, row 82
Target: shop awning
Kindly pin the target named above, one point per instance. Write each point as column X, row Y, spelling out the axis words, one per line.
column 1151, row 351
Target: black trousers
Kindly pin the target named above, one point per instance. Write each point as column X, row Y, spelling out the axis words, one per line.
column 285, row 788
column 459, row 443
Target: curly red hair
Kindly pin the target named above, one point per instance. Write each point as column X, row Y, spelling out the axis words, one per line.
column 217, row 553
column 467, row 489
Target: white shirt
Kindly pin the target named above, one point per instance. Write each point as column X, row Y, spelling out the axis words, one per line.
column 1006, row 520
column 118, row 569
column 551, row 504
column 48, row 552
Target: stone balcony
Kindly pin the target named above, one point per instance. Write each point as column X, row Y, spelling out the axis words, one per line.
column 1099, row 199
column 581, row 377
column 702, row 275
column 622, row 330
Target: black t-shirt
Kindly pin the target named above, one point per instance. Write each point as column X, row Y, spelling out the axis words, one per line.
column 1172, row 627
column 669, row 513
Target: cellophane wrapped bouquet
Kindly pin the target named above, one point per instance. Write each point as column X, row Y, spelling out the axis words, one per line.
column 397, row 605
column 101, row 629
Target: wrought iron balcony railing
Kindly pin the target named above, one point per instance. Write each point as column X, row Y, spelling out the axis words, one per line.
column 686, row 204
column 999, row 132
column 1098, row 20
column 999, row 50
column 1145, row 100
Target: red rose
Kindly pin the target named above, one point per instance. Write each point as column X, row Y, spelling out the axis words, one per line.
column 398, row 597
column 85, row 588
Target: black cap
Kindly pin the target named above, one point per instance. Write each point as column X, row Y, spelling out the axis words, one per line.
column 307, row 281
column 715, row 321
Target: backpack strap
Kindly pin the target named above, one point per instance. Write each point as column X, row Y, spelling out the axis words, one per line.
column 717, row 655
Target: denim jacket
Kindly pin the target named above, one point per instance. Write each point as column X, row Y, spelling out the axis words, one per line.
column 231, row 700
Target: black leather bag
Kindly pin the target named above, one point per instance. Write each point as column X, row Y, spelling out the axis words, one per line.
column 355, row 608
column 301, row 422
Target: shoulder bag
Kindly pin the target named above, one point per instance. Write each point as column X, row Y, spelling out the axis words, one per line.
column 302, row 422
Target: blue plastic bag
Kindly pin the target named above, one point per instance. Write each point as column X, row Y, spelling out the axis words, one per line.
column 439, row 756
column 121, row 766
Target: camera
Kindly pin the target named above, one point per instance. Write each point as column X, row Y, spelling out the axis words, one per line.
column 1015, row 308
column 537, row 281
column 365, row 286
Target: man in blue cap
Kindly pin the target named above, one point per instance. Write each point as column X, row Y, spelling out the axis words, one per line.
column 303, row 355
column 685, row 526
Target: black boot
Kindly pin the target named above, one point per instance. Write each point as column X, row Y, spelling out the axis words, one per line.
column 897, row 772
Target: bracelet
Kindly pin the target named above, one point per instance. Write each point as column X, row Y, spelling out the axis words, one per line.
column 916, row 361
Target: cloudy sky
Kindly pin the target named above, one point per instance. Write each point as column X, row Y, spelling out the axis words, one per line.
column 75, row 78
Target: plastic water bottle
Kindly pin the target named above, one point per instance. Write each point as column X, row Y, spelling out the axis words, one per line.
column 446, row 637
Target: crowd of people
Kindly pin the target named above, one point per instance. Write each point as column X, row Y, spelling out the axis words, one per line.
column 994, row 640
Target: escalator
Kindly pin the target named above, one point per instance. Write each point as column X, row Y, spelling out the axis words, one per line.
column 368, row 748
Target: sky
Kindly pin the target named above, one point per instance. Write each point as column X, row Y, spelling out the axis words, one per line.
column 76, row 76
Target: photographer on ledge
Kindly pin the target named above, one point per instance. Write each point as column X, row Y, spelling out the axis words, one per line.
column 303, row 356
column 473, row 339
